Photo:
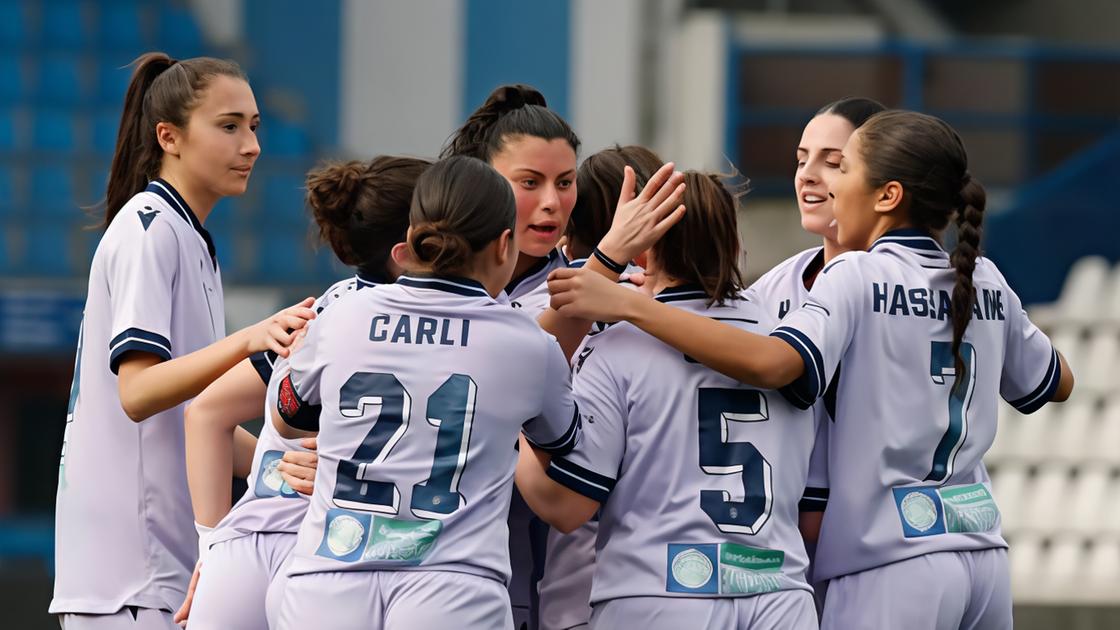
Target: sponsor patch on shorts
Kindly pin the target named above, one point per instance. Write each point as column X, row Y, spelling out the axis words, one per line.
column 722, row 569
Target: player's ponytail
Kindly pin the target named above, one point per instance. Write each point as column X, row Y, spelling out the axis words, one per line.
column 970, row 220
column 460, row 205
column 703, row 247
column 361, row 208
column 161, row 90
column 927, row 157
column 509, row 111
column 598, row 185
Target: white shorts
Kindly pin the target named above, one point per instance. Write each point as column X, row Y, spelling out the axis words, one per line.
column 784, row 610
column 241, row 582
column 394, row 600
column 127, row 618
column 969, row 590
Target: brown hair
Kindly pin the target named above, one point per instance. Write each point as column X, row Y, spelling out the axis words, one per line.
column 362, row 208
column 161, row 90
column 459, row 206
column 510, row 111
column 854, row 109
column 928, row 158
column 703, row 247
column 598, row 185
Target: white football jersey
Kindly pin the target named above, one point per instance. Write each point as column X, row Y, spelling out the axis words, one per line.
column 124, row 533
column 905, row 448
column 270, row 504
column 423, row 387
column 529, row 292
column 699, row 476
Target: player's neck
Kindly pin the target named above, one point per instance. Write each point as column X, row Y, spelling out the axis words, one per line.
column 201, row 202
column 832, row 249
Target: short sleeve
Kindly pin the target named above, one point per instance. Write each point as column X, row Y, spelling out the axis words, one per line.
column 591, row 469
column 142, row 273
column 821, row 329
column 1031, row 370
column 815, row 498
column 298, row 399
column 556, row 428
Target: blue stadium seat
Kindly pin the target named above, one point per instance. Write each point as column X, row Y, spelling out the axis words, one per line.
column 178, row 32
column 64, row 24
column 284, row 257
column 112, row 80
column 52, row 192
column 48, row 248
column 14, row 24
column 13, row 87
column 8, row 138
column 54, row 130
column 120, row 26
column 104, row 133
column 61, row 80
column 7, row 193
column 284, row 139
column 283, row 201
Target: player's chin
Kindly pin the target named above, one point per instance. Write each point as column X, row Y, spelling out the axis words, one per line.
column 534, row 245
column 236, row 184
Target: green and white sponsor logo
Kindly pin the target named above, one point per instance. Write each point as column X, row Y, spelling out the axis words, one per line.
column 401, row 541
column 919, row 511
column 692, row 569
column 969, row 509
column 746, row 570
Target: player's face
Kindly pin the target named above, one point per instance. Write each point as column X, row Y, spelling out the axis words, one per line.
column 543, row 175
column 853, row 199
column 219, row 148
column 818, row 159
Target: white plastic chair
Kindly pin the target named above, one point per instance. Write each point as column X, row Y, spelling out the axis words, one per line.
column 1100, row 365
column 1048, row 496
column 1083, row 295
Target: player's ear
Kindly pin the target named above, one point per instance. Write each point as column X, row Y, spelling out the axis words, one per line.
column 888, row 197
column 169, row 137
column 401, row 254
column 506, row 247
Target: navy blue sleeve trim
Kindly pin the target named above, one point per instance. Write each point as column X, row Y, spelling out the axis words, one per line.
column 263, row 363
column 810, row 385
column 294, row 410
column 814, row 500
column 135, row 339
column 1044, row 393
column 580, row 480
column 566, row 442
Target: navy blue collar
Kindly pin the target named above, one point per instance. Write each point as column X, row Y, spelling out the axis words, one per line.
column 168, row 193
column 681, row 293
column 368, row 280
column 913, row 238
column 577, row 263
column 535, row 269
column 448, row 284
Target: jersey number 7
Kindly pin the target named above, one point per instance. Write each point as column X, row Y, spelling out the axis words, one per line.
column 718, row 408
column 450, row 408
column 942, row 364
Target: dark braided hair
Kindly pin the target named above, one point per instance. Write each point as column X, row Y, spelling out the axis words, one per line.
column 926, row 156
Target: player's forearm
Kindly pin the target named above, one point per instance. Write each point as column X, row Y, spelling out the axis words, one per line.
column 570, row 331
column 757, row 360
column 146, row 389
column 1065, row 381
column 553, row 503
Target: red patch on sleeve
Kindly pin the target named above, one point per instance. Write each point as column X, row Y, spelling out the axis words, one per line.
column 288, row 401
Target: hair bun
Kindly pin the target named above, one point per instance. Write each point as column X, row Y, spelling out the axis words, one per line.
column 507, row 98
column 332, row 191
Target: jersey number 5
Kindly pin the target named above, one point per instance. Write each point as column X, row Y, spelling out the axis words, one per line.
column 942, row 368
column 450, row 408
column 718, row 408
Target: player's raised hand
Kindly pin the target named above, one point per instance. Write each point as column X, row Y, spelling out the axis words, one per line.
column 298, row 467
column 641, row 219
column 585, row 294
column 277, row 333
column 184, row 611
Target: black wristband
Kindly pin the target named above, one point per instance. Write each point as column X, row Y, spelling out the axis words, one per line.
column 607, row 262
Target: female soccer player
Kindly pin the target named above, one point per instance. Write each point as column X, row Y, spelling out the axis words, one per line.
column 697, row 477
column 927, row 340
column 361, row 209
column 153, row 337
column 419, row 391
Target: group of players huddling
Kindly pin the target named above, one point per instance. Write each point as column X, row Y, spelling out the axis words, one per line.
column 688, row 451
